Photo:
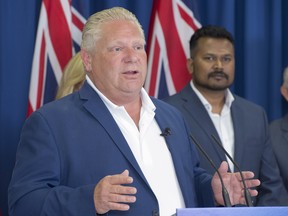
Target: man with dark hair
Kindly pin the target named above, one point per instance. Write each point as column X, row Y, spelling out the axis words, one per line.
column 211, row 109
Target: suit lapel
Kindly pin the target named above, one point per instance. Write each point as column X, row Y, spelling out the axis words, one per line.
column 238, row 124
column 95, row 106
column 199, row 113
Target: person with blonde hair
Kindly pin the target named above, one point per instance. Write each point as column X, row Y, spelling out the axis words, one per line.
column 99, row 150
column 279, row 134
column 73, row 77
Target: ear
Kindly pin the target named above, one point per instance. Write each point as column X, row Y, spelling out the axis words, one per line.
column 284, row 92
column 87, row 60
column 189, row 65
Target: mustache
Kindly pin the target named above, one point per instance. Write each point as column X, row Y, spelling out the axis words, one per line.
column 218, row 73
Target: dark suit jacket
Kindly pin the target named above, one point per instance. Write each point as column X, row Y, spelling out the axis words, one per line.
column 253, row 149
column 68, row 145
column 279, row 137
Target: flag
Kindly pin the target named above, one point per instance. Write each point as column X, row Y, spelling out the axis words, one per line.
column 58, row 38
column 171, row 26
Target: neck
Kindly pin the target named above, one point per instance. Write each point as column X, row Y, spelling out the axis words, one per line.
column 215, row 98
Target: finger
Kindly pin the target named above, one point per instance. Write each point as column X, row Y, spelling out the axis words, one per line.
column 118, row 198
column 110, row 189
column 223, row 167
column 118, row 206
column 252, row 183
column 251, row 186
column 116, row 202
column 122, row 178
column 119, row 189
column 253, row 192
column 125, row 173
column 247, row 174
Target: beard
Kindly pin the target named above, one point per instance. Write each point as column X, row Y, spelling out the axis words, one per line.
column 212, row 83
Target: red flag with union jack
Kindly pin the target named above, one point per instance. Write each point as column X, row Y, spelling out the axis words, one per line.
column 171, row 26
column 58, row 38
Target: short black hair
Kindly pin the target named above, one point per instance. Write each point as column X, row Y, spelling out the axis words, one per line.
column 210, row 31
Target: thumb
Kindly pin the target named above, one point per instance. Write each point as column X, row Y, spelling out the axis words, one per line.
column 223, row 167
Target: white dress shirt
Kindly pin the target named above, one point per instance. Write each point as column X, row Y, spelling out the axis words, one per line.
column 150, row 151
column 222, row 122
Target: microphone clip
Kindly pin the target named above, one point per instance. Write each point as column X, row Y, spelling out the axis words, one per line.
column 166, row 132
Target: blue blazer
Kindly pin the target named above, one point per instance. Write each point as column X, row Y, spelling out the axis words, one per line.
column 279, row 137
column 253, row 149
column 68, row 145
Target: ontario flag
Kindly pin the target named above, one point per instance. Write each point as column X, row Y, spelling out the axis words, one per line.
column 58, row 38
column 171, row 26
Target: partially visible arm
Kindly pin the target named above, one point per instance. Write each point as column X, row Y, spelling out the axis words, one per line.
column 36, row 187
column 39, row 184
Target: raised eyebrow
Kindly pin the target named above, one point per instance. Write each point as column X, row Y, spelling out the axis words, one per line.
column 139, row 43
column 209, row 55
column 216, row 56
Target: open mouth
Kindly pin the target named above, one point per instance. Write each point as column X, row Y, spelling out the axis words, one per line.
column 131, row 72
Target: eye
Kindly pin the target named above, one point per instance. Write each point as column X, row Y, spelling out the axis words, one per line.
column 117, row 49
column 139, row 47
column 209, row 58
column 226, row 59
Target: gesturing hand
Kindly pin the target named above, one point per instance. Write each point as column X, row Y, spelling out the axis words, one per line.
column 110, row 194
column 233, row 184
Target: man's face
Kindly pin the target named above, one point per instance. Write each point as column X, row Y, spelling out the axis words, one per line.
column 212, row 65
column 119, row 63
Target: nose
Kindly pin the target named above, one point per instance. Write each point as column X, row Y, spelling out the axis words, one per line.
column 218, row 64
column 130, row 56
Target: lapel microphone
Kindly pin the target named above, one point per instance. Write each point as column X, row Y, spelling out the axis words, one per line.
column 247, row 194
column 225, row 193
column 166, row 132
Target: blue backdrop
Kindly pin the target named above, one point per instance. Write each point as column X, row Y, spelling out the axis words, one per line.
column 260, row 28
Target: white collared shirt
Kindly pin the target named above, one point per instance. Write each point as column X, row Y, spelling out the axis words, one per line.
column 150, row 151
column 223, row 122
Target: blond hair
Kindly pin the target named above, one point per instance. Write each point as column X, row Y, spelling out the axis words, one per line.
column 72, row 78
column 92, row 29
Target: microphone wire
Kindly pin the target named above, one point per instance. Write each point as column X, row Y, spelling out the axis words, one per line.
column 247, row 194
column 225, row 193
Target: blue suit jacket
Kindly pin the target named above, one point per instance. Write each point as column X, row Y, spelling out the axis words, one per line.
column 68, row 145
column 253, row 149
column 279, row 137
